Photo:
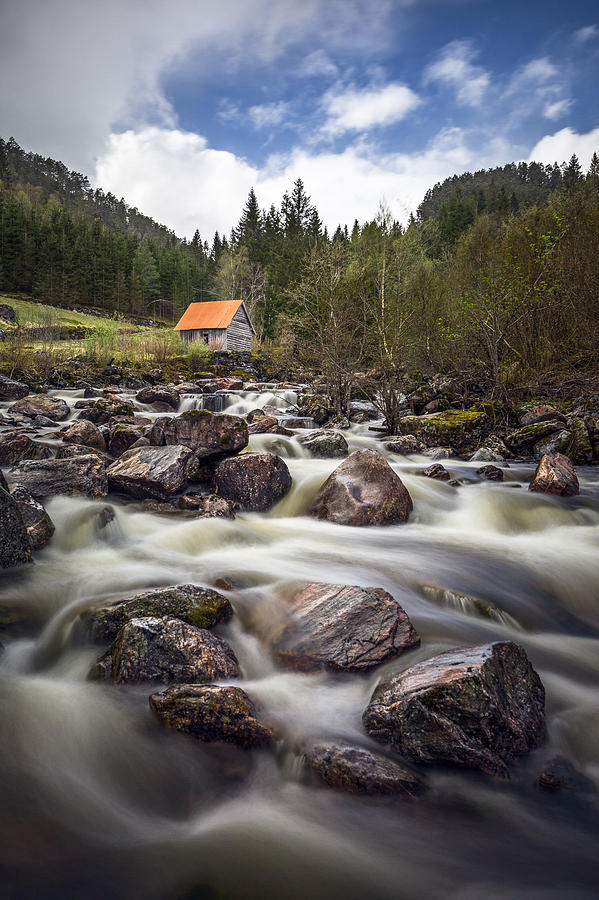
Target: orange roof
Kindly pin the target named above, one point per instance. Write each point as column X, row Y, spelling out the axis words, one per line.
column 208, row 314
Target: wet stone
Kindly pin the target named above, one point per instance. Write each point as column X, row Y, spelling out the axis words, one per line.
column 325, row 444
column 342, row 628
column 254, row 481
column 41, row 405
column 358, row 770
column 167, row 650
column 490, row 473
column 555, row 475
column 474, row 707
column 156, row 472
column 198, row 606
column 15, row 547
column 85, row 474
column 212, row 713
column 436, row 471
column 38, row 523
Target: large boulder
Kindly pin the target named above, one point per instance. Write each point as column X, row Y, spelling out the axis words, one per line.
column 122, row 436
column 325, row 444
column 476, row 707
column 170, row 396
column 169, row 650
column 41, row 405
column 342, row 628
column 38, row 523
column 363, row 490
column 460, row 429
column 7, row 313
column 255, row 481
column 405, row 445
column 207, row 434
column 15, row 446
column 152, row 471
column 523, row 440
column 85, row 434
column 263, row 425
column 198, row 606
column 555, row 475
column 532, row 413
column 212, row 713
column 436, row 471
column 15, row 548
column 12, row 390
column 108, row 408
column 78, row 475
column 357, row 770
column 316, row 407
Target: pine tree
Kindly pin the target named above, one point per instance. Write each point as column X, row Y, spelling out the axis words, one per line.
column 572, row 173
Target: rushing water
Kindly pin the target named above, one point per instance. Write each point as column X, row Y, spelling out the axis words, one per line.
column 99, row 802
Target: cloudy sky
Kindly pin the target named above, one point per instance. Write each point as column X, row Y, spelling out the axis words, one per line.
column 181, row 106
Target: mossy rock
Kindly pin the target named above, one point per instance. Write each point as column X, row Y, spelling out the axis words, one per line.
column 523, row 439
column 460, row 429
column 198, row 606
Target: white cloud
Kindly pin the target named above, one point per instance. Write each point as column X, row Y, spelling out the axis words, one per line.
column 318, row 63
column 537, row 70
column 556, row 109
column 358, row 109
column 560, row 146
column 454, row 68
column 586, row 34
column 176, row 178
column 269, row 114
column 74, row 71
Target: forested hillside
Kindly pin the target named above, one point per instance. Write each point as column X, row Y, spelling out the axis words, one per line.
column 498, row 273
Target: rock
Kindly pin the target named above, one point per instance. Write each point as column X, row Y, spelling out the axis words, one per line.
column 85, row 434
column 12, row 390
column 476, row 707
column 532, row 413
column 69, row 451
column 362, row 411
column 438, row 452
column 122, row 437
column 255, row 481
column 208, row 506
column 198, row 606
column 316, row 407
column 339, row 421
column 325, row 444
column 38, row 523
column 212, row 713
column 7, row 313
column 363, row 490
column 523, row 439
column 579, row 448
column 560, row 773
column 41, row 405
column 263, row 425
column 342, row 628
column 15, row 548
column 436, row 471
column 435, row 406
column 405, row 445
column 79, row 475
column 152, row 471
column 170, row 396
column 493, row 450
column 361, row 771
column 107, row 408
column 491, row 473
column 558, row 442
column 460, row 429
column 15, row 446
column 420, row 397
column 170, row 650
column 208, row 434
column 555, row 475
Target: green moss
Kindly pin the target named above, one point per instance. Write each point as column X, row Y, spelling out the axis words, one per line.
column 196, row 414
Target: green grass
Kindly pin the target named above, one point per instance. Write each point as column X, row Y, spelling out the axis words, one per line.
column 35, row 313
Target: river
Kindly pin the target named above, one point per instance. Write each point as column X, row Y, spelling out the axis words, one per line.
column 99, row 802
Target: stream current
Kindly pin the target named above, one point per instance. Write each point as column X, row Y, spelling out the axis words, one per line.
column 98, row 801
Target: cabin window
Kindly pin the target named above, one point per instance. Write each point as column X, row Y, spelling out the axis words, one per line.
column 205, row 336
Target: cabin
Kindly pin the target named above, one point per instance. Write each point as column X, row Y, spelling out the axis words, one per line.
column 222, row 324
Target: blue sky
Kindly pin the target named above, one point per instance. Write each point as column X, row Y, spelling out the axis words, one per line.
column 182, row 106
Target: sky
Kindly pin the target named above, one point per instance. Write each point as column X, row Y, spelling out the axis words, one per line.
column 181, row 106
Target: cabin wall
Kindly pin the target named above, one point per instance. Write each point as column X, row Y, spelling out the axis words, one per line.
column 239, row 332
column 213, row 337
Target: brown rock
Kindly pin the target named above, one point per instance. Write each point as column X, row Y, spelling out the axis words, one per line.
column 437, row 471
column 170, row 650
column 363, row 490
column 15, row 548
column 86, row 434
column 41, row 405
column 79, row 475
column 491, row 473
column 405, row 446
column 555, row 475
column 342, row 628
column 361, row 771
column 255, row 481
column 108, row 408
column 170, row 396
column 207, row 434
column 263, row 425
column 38, row 523
column 16, row 446
column 476, row 707
column 152, row 471
column 212, row 713
column 12, row 390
